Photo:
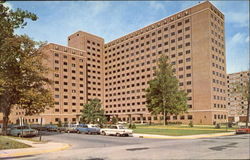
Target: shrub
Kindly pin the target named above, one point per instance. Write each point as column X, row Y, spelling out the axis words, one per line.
column 217, row 126
column 191, row 124
column 133, row 126
column 59, row 124
column 114, row 120
column 230, row 124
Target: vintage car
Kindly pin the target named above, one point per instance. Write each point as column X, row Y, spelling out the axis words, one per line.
column 22, row 131
column 88, row 129
column 51, row 127
column 243, row 131
column 117, row 130
column 69, row 128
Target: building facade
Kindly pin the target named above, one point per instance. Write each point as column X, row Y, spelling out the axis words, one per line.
column 118, row 72
column 237, row 104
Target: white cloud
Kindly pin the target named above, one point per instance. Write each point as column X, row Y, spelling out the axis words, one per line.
column 156, row 5
column 238, row 38
column 187, row 4
column 239, row 18
column 247, row 39
column 98, row 7
column 237, row 51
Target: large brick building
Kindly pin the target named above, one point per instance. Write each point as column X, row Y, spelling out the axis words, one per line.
column 118, row 72
column 237, row 104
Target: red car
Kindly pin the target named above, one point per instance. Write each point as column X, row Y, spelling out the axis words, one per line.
column 243, row 131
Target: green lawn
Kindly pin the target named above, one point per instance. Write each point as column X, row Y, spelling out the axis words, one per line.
column 6, row 143
column 178, row 130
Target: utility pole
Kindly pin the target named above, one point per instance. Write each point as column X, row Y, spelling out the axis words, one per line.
column 41, row 123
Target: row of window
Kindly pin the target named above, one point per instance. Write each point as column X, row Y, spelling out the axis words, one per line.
column 67, row 103
column 218, row 58
column 66, row 50
column 186, row 44
column 142, row 44
column 219, row 90
column 93, row 48
column 66, row 90
column 218, row 66
column 65, row 120
column 66, row 110
column 219, row 105
column 154, row 33
column 220, row 116
column 219, row 97
column 182, row 117
column 66, row 57
column 93, row 43
column 219, row 74
column 66, row 63
column 66, row 97
column 219, row 82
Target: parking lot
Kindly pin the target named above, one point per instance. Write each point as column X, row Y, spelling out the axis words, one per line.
column 98, row 147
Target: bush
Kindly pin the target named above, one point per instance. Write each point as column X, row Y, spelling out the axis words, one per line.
column 132, row 126
column 217, row 126
column 59, row 124
column 230, row 124
column 191, row 124
column 114, row 120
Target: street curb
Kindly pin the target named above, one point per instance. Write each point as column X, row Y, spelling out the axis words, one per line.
column 184, row 137
column 20, row 154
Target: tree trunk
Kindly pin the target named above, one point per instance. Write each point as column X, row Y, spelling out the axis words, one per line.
column 5, row 122
column 164, row 117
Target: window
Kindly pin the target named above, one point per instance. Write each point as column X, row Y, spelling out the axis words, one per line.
column 190, row 117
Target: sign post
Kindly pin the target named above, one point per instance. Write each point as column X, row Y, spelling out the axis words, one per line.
column 41, row 123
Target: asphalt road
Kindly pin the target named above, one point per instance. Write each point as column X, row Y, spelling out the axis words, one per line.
column 97, row 147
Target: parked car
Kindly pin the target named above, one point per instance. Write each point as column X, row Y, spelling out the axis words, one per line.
column 23, row 131
column 88, row 129
column 69, row 128
column 117, row 130
column 51, row 127
column 243, row 131
column 38, row 127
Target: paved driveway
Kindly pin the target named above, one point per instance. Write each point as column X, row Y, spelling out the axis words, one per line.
column 96, row 147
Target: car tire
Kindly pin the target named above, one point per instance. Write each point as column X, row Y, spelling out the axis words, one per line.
column 118, row 134
column 78, row 132
column 103, row 133
column 68, row 131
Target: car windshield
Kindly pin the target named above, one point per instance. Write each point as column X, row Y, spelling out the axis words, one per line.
column 82, row 126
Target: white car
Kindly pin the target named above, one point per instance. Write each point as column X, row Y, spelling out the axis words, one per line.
column 117, row 130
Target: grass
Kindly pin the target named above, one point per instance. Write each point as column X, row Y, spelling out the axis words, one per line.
column 179, row 130
column 6, row 143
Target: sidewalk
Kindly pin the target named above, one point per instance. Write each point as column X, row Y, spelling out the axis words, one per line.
column 183, row 137
column 37, row 148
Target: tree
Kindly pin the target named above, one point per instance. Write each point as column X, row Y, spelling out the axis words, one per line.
column 114, row 120
column 93, row 113
column 163, row 95
column 243, row 90
column 23, row 81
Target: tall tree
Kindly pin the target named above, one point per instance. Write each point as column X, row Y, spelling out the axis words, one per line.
column 23, row 81
column 93, row 112
column 243, row 90
column 163, row 95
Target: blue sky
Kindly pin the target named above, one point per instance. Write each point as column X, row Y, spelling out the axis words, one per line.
column 113, row 19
